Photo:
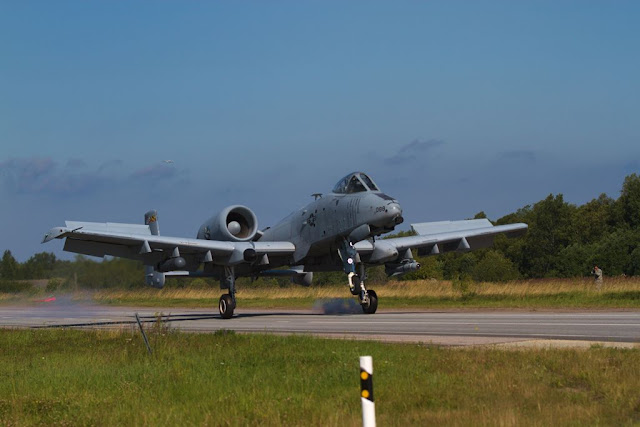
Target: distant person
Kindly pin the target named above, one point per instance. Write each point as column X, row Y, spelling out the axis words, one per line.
column 597, row 277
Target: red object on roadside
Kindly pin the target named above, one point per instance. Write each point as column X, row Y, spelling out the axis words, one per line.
column 51, row 299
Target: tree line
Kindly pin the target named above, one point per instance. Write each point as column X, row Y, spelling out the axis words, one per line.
column 563, row 240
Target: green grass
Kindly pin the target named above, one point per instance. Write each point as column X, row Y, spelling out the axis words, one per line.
column 70, row 377
column 534, row 294
column 575, row 299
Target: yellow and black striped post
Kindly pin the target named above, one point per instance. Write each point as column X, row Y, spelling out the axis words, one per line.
column 366, row 392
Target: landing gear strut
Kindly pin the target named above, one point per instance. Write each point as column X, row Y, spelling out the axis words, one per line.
column 227, row 303
column 367, row 298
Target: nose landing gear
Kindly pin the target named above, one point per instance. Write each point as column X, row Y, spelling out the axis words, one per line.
column 368, row 299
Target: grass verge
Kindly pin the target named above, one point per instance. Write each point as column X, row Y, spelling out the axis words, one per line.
column 107, row 378
column 533, row 294
column 547, row 293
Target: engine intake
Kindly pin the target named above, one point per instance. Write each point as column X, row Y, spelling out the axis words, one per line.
column 234, row 223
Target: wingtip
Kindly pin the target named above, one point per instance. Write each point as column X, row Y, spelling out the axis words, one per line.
column 55, row 232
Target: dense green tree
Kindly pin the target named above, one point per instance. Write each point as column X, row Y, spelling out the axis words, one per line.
column 521, row 215
column 116, row 272
column 456, row 265
column 613, row 252
column 633, row 267
column 629, row 201
column 514, row 249
column 9, row 267
column 39, row 266
column 495, row 267
column 593, row 220
column 550, row 230
column 575, row 260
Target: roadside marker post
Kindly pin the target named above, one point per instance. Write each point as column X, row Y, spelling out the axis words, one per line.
column 144, row 336
column 366, row 392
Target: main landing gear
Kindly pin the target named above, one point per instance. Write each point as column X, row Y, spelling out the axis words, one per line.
column 368, row 298
column 227, row 303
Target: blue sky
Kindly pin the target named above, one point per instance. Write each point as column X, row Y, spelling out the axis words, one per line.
column 452, row 107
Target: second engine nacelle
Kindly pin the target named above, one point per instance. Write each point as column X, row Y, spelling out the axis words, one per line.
column 234, row 223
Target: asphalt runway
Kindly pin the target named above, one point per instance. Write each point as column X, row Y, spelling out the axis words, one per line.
column 429, row 326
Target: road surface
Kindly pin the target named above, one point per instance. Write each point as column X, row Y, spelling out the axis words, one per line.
column 430, row 326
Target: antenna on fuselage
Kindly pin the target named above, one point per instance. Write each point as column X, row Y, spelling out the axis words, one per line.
column 317, row 196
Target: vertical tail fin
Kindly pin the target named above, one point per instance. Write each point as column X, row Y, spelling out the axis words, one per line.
column 151, row 219
column 152, row 277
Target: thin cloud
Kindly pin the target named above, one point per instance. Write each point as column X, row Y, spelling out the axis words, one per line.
column 110, row 165
column 43, row 175
column 156, row 171
column 76, row 164
column 409, row 152
column 519, row 155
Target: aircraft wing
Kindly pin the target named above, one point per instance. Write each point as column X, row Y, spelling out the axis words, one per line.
column 445, row 236
column 135, row 241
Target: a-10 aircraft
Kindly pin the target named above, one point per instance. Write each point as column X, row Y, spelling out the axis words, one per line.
column 336, row 231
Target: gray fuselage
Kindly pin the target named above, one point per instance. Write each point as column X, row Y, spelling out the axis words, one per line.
column 317, row 228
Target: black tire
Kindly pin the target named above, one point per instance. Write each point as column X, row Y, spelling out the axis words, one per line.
column 372, row 305
column 356, row 285
column 226, row 306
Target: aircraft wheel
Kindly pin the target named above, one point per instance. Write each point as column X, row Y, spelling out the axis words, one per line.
column 226, row 306
column 372, row 305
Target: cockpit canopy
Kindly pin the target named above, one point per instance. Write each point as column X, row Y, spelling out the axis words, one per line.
column 355, row 182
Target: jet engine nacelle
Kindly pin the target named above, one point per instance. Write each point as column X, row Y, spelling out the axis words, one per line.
column 233, row 224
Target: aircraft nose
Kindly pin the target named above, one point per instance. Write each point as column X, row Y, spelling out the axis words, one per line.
column 394, row 212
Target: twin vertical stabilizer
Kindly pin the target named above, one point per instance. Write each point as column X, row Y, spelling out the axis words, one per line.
column 152, row 277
